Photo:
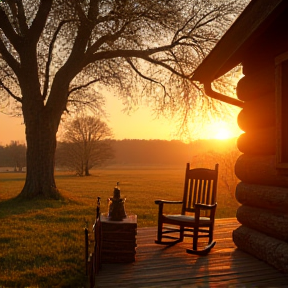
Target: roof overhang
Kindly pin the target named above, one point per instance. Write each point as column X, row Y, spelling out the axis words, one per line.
column 231, row 48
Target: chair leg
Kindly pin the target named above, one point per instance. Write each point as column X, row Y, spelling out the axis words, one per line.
column 181, row 238
column 160, row 224
column 211, row 234
column 159, row 233
column 207, row 249
column 203, row 252
column 195, row 238
column 173, row 240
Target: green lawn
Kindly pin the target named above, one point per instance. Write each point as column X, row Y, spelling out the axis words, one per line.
column 42, row 242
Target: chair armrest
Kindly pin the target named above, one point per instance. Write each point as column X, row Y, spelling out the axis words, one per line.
column 167, row 202
column 205, row 207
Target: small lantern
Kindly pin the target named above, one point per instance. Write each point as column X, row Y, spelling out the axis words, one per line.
column 116, row 209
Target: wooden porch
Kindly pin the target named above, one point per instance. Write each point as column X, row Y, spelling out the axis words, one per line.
column 161, row 266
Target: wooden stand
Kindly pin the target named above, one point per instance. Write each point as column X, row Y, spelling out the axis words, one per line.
column 118, row 240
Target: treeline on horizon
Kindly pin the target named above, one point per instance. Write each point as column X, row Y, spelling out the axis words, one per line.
column 164, row 152
column 136, row 152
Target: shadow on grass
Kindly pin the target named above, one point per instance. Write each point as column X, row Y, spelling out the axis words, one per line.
column 18, row 206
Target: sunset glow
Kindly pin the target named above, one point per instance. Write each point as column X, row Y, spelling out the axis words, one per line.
column 222, row 130
column 139, row 125
column 223, row 134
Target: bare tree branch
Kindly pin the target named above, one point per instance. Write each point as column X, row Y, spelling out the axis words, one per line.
column 8, row 30
column 40, row 20
column 49, row 58
column 14, row 64
column 82, row 86
column 10, row 92
column 145, row 77
column 21, row 18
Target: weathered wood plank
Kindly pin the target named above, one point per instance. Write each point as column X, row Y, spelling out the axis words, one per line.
column 255, row 85
column 263, row 220
column 161, row 266
column 262, row 246
column 258, row 142
column 248, row 120
column 259, row 169
column 267, row 197
column 118, row 240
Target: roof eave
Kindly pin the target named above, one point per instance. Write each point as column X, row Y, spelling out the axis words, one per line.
column 230, row 50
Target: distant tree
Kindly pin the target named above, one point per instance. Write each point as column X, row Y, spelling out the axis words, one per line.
column 52, row 52
column 16, row 155
column 3, row 157
column 85, row 144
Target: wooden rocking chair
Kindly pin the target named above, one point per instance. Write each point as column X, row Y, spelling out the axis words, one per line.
column 198, row 211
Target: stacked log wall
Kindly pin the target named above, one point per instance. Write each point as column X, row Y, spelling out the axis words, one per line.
column 262, row 192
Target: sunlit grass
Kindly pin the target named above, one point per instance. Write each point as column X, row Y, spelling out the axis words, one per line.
column 42, row 242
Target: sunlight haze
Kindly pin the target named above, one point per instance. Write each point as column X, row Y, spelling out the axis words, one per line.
column 141, row 124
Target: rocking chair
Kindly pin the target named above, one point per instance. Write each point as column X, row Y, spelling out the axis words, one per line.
column 198, row 211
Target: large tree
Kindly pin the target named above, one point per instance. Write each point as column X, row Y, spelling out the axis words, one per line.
column 54, row 53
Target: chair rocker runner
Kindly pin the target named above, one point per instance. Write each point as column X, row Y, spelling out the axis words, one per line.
column 198, row 211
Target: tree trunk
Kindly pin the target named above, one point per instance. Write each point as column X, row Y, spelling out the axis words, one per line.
column 87, row 169
column 41, row 146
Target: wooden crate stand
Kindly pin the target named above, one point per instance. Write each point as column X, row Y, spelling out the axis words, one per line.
column 118, row 239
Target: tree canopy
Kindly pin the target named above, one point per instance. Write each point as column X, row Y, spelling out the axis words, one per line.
column 59, row 55
column 85, row 144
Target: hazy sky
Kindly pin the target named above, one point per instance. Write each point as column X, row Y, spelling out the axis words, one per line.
column 140, row 125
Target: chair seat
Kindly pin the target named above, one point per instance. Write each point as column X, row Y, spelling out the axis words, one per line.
column 188, row 219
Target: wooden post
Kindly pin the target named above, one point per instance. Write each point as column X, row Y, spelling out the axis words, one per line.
column 86, row 250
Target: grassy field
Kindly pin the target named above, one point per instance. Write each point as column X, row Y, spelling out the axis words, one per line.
column 42, row 242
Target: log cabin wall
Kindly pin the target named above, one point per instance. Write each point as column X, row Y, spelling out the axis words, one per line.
column 263, row 191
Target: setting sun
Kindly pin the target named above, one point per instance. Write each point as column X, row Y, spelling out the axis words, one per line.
column 222, row 134
column 221, row 130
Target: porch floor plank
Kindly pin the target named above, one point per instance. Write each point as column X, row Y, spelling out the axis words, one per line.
column 162, row 266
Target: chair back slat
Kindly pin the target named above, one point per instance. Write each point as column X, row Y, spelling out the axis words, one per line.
column 190, row 194
column 209, row 193
column 204, row 192
column 200, row 187
column 199, row 191
column 194, row 191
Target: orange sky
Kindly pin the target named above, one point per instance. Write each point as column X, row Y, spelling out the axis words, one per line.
column 140, row 125
column 11, row 129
